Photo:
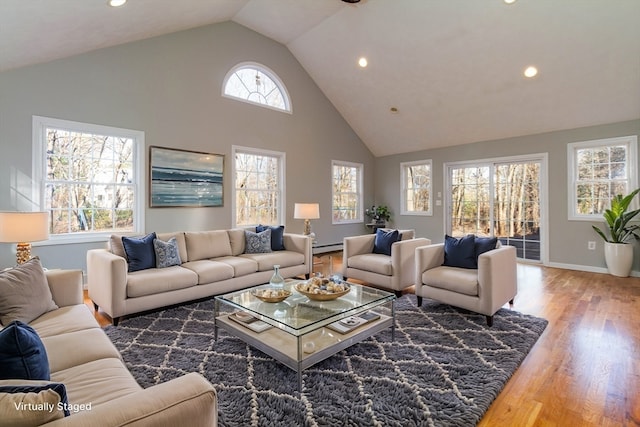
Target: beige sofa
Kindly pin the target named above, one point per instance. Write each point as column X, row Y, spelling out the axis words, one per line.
column 100, row 389
column 213, row 263
column 395, row 272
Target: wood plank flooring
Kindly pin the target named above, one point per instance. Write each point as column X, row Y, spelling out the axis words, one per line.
column 585, row 368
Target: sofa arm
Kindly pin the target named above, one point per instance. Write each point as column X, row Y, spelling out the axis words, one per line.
column 403, row 256
column 107, row 281
column 498, row 276
column 302, row 244
column 428, row 257
column 66, row 286
column 189, row 399
column 356, row 245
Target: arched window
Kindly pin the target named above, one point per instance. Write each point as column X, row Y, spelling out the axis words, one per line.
column 254, row 83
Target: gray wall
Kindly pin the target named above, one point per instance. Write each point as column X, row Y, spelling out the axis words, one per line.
column 169, row 87
column 567, row 239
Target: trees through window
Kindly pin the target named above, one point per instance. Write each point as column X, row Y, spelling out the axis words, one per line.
column 256, row 84
column 416, row 187
column 346, row 192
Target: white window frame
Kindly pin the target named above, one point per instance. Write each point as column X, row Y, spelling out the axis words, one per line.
column 404, row 166
column 360, row 190
column 267, row 72
column 632, row 171
column 39, row 167
column 282, row 157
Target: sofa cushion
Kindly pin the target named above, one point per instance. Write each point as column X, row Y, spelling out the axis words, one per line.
column 484, row 244
column 24, row 293
column 182, row 243
column 76, row 348
column 159, row 280
column 375, row 263
column 97, row 381
column 167, row 253
column 277, row 236
column 32, row 403
column 283, row 258
column 22, row 353
column 257, row 243
column 383, row 241
column 460, row 252
column 64, row 320
column 140, row 252
column 241, row 265
column 458, row 280
column 209, row 271
column 207, row 244
column 236, row 239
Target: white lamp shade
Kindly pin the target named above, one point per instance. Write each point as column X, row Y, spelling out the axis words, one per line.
column 24, row 227
column 306, row 211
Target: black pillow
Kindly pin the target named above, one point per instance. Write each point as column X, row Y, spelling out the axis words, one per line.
column 140, row 252
column 485, row 244
column 277, row 236
column 460, row 252
column 22, row 354
column 383, row 241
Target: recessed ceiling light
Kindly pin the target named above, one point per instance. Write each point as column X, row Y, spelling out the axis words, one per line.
column 363, row 62
column 509, row 1
column 116, row 3
column 531, row 71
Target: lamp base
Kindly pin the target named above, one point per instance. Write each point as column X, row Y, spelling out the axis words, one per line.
column 23, row 252
column 307, row 227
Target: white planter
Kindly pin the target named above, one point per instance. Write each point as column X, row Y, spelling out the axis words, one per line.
column 619, row 258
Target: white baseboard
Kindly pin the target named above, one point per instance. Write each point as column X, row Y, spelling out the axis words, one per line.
column 587, row 268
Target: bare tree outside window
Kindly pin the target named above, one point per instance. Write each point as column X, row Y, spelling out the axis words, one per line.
column 416, row 187
column 89, row 182
column 347, row 192
column 258, row 190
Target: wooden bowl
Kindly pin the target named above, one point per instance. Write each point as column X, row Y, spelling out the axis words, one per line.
column 322, row 297
column 266, row 296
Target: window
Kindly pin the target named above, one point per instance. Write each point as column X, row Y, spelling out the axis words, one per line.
column 258, row 196
column 347, row 192
column 598, row 170
column 416, row 188
column 256, row 84
column 88, row 178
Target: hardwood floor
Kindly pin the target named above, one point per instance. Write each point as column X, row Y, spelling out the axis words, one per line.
column 585, row 368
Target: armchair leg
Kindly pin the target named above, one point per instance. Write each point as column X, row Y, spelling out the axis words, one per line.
column 489, row 321
column 115, row 321
column 95, row 306
column 419, row 301
column 511, row 301
column 398, row 293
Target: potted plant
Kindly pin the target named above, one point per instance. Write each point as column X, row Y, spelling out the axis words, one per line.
column 618, row 253
column 379, row 214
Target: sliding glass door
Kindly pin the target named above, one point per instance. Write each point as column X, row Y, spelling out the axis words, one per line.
column 499, row 198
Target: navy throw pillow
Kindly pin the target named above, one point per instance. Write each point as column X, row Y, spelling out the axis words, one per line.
column 277, row 236
column 485, row 244
column 22, row 354
column 140, row 252
column 460, row 252
column 383, row 241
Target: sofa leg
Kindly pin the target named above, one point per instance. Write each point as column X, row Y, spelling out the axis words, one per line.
column 419, row 301
column 489, row 321
column 511, row 301
column 115, row 321
column 398, row 293
column 95, row 306
column 307, row 276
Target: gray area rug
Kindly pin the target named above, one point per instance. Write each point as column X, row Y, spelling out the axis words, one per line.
column 444, row 368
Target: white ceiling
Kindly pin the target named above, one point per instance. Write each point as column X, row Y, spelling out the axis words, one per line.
column 452, row 68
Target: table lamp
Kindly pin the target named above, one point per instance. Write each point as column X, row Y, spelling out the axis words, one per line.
column 23, row 228
column 306, row 211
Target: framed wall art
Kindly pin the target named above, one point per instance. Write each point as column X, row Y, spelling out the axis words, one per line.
column 181, row 178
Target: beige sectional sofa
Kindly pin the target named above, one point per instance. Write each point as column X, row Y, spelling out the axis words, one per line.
column 99, row 388
column 213, row 263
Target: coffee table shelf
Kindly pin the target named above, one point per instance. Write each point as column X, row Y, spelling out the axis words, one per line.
column 298, row 322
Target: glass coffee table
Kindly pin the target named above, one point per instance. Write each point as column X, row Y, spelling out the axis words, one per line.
column 299, row 332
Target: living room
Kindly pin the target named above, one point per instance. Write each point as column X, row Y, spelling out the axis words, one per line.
column 170, row 88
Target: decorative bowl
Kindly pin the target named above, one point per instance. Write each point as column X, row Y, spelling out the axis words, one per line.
column 271, row 295
column 322, row 291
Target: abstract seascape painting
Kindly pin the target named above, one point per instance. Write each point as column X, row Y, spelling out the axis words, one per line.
column 181, row 178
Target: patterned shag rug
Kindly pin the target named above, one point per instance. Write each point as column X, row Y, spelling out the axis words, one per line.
column 444, row 368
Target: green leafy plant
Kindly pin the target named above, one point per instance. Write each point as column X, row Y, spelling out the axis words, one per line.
column 378, row 213
column 618, row 219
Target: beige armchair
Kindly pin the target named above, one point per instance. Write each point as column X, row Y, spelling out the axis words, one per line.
column 483, row 291
column 394, row 272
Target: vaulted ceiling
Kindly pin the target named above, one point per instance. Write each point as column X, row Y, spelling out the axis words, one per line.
column 451, row 69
